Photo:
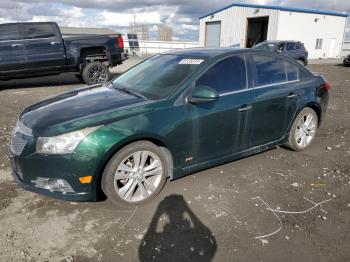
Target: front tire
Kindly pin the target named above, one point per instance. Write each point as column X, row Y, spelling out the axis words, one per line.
column 95, row 73
column 303, row 130
column 135, row 174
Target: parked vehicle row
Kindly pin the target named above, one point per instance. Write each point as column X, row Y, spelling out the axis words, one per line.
column 169, row 116
column 37, row 49
column 346, row 61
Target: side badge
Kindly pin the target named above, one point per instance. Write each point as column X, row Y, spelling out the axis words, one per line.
column 189, row 158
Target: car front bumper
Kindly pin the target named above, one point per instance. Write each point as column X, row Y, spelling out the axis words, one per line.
column 27, row 170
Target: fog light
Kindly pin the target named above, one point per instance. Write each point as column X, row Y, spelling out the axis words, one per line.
column 52, row 184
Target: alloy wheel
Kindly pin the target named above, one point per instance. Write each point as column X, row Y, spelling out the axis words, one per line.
column 305, row 130
column 138, row 176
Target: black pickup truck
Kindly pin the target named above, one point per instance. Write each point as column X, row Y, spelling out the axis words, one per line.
column 38, row 49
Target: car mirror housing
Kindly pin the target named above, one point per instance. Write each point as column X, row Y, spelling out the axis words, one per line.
column 203, row 94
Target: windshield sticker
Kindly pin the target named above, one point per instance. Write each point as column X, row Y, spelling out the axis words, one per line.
column 191, row 61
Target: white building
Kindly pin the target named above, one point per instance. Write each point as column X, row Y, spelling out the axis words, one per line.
column 244, row 25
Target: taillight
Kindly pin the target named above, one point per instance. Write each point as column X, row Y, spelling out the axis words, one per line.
column 327, row 85
column 120, row 42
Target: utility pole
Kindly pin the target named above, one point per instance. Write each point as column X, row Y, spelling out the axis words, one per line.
column 17, row 14
column 134, row 25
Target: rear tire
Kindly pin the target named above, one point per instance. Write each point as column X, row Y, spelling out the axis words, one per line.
column 303, row 130
column 95, row 73
column 135, row 174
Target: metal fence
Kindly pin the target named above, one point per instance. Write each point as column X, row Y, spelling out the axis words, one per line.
column 145, row 48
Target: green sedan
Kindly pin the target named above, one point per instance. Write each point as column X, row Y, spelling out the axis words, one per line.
column 169, row 116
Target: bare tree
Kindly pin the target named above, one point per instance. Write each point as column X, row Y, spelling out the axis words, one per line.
column 144, row 32
column 165, row 33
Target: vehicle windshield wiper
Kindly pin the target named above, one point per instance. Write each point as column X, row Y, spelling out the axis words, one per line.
column 128, row 91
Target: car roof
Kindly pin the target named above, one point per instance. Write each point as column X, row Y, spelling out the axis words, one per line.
column 208, row 53
column 218, row 52
column 282, row 41
column 205, row 52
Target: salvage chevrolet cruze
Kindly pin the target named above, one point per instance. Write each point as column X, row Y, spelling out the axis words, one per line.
column 171, row 115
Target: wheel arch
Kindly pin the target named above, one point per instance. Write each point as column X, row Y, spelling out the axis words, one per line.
column 97, row 51
column 316, row 108
column 312, row 106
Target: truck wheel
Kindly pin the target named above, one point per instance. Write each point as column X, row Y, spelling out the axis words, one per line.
column 95, row 73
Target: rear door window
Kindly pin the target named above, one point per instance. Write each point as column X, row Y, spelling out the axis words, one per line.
column 37, row 31
column 290, row 46
column 270, row 70
column 9, row 33
column 226, row 76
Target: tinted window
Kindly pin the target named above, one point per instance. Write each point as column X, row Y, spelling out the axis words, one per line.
column 33, row 31
column 226, row 76
column 290, row 46
column 265, row 46
column 270, row 70
column 280, row 48
column 292, row 71
column 8, row 32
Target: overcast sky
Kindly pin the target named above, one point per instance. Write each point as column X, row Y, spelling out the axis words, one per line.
column 182, row 15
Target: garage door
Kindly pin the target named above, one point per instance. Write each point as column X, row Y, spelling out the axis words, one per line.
column 213, row 30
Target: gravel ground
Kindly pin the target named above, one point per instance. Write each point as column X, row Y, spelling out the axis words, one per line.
column 214, row 215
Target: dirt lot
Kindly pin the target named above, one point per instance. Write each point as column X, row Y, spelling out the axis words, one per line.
column 212, row 215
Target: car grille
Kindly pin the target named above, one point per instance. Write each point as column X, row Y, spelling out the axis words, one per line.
column 17, row 145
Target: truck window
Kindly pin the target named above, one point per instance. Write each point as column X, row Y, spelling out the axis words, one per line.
column 35, row 31
column 9, row 33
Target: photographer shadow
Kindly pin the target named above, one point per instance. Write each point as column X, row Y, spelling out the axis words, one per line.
column 176, row 234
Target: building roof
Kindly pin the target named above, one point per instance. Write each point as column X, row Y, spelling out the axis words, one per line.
column 281, row 8
column 86, row 31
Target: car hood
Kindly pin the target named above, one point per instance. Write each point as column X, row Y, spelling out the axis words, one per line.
column 76, row 104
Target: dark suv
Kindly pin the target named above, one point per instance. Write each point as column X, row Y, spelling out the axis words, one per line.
column 346, row 61
column 293, row 49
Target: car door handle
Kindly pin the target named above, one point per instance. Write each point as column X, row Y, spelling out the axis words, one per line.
column 55, row 43
column 292, row 96
column 244, row 108
column 15, row 45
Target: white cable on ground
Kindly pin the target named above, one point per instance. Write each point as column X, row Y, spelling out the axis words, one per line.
column 300, row 212
column 275, row 211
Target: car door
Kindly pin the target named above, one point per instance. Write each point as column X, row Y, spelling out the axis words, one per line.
column 44, row 45
column 12, row 55
column 275, row 101
column 221, row 128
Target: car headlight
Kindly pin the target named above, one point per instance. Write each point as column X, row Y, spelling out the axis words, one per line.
column 62, row 144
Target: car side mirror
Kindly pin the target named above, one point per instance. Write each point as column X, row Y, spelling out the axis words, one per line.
column 203, row 94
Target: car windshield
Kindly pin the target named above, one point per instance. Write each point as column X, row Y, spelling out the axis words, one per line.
column 157, row 77
column 265, row 46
